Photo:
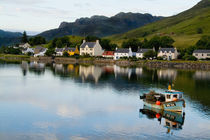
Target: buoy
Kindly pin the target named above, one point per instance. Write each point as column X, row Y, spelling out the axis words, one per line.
column 158, row 115
column 158, row 103
column 175, row 99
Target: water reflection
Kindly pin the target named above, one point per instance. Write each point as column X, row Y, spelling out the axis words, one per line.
column 172, row 120
column 133, row 80
column 56, row 101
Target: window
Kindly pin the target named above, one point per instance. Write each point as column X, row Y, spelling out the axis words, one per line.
column 196, row 54
column 175, row 96
column 202, row 54
column 91, row 49
column 168, row 96
column 208, row 54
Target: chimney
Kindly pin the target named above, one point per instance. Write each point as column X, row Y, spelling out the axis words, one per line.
column 84, row 41
column 97, row 41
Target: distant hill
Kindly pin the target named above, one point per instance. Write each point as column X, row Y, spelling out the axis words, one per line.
column 8, row 38
column 186, row 28
column 100, row 25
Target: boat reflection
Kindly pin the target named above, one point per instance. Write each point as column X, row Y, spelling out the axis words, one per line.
column 172, row 120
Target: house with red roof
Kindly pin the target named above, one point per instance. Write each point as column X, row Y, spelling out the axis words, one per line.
column 108, row 54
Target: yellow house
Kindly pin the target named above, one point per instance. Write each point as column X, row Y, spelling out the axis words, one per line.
column 72, row 51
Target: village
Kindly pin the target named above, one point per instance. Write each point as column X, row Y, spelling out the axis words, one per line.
column 94, row 49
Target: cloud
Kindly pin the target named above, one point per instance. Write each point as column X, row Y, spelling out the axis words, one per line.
column 23, row 1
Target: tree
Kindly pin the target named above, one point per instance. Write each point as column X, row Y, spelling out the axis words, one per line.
column 166, row 42
column 66, row 54
column 59, row 43
column 203, row 43
column 155, row 42
column 199, row 30
column 92, row 38
column 107, row 45
column 133, row 43
column 149, row 54
column 24, row 38
column 37, row 40
column 50, row 52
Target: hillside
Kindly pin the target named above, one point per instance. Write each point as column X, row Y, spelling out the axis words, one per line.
column 183, row 28
column 7, row 38
column 100, row 25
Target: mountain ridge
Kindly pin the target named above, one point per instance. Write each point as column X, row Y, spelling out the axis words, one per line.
column 101, row 25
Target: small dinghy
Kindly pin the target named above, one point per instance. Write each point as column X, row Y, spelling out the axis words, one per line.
column 170, row 100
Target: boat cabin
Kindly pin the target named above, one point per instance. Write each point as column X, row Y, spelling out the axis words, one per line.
column 172, row 95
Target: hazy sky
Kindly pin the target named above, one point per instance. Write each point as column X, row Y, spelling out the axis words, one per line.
column 40, row 15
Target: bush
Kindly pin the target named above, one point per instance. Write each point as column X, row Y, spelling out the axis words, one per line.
column 66, row 54
column 159, row 58
column 190, row 57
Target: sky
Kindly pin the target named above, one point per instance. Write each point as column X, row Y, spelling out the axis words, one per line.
column 36, row 16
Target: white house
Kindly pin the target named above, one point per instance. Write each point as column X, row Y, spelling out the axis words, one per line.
column 39, row 51
column 168, row 53
column 25, row 45
column 201, row 54
column 122, row 52
column 91, row 48
column 59, row 51
column 140, row 52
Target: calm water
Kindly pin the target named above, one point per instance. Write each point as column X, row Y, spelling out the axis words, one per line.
column 62, row 102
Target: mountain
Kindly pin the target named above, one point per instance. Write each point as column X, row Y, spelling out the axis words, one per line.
column 185, row 28
column 100, row 25
column 8, row 38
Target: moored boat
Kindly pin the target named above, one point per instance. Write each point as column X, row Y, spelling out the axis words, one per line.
column 170, row 100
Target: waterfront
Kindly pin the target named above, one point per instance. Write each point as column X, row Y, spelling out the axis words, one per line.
column 57, row 101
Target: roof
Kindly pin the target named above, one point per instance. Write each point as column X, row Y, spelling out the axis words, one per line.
column 70, row 49
column 40, row 49
column 167, row 50
column 201, row 51
column 89, row 44
column 59, row 50
column 122, row 50
column 108, row 53
column 143, row 50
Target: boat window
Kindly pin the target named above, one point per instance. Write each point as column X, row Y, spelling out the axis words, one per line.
column 168, row 96
column 174, row 126
column 167, row 124
column 175, row 96
column 180, row 95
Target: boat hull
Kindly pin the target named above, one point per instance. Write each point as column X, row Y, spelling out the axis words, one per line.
column 174, row 106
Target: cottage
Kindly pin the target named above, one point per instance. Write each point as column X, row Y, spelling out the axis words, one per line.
column 168, row 53
column 140, row 52
column 91, row 48
column 39, row 51
column 201, row 54
column 59, row 51
column 72, row 51
column 24, row 45
column 122, row 52
column 108, row 54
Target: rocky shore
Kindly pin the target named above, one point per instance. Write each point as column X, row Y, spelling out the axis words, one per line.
column 201, row 65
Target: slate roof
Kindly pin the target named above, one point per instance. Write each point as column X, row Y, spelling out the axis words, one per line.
column 201, row 51
column 122, row 50
column 70, row 49
column 39, row 49
column 59, row 50
column 89, row 44
column 143, row 50
column 172, row 50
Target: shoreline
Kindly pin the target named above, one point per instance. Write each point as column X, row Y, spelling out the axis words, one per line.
column 178, row 64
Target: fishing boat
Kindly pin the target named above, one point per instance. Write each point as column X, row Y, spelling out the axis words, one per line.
column 172, row 120
column 170, row 100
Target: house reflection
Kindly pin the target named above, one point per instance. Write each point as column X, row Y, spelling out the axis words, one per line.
column 172, row 120
column 202, row 75
column 90, row 72
column 167, row 74
column 122, row 71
